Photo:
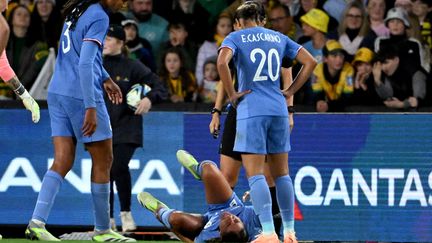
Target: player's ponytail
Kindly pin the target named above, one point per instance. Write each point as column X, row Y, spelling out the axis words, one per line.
column 73, row 9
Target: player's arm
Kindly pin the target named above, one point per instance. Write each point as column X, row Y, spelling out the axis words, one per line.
column 224, row 57
column 214, row 125
column 287, row 81
column 309, row 63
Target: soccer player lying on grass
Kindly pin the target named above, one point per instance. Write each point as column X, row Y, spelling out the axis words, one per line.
column 227, row 218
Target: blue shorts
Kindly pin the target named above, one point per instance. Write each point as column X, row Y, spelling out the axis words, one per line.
column 263, row 135
column 233, row 201
column 67, row 118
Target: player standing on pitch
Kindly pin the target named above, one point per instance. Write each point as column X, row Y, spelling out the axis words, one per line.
column 78, row 113
column 6, row 72
column 262, row 116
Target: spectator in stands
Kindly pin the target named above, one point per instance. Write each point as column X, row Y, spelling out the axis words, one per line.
column 306, row 6
column 335, row 8
column 332, row 80
column 231, row 9
column 46, row 23
column 354, row 30
column 280, row 19
column 364, row 87
column 314, row 25
column 126, row 124
column 6, row 72
column 210, row 47
column 423, row 10
column 376, row 11
column 180, row 81
column 192, row 15
column 209, row 84
column 139, row 48
column 227, row 219
column 399, row 86
column 414, row 30
column 410, row 50
column 214, row 8
column 26, row 56
column 179, row 38
column 293, row 5
column 151, row 26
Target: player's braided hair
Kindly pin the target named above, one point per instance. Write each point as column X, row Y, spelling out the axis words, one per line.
column 73, row 9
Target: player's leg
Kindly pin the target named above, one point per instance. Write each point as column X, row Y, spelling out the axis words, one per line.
column 99, row 145
column 102, row 156
column 185, row 225
column 230, row 169
column 251, row 141
column 216, row 187
column 64, row 155
column 230, row 161
column 278, row 142
column 64, row 148
column 121, row 176
column 277, row 221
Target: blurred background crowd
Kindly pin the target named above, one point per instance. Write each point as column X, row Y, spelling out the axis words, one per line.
column 370, row 52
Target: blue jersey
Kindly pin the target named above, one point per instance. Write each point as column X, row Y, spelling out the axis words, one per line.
column 245, row 213
column 91, row 26
column 257, row 55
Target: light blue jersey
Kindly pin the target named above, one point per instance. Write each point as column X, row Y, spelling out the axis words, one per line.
column 257, row 54
column 235, row 207
column 91, row 26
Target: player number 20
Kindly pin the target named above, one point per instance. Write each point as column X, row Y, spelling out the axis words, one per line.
column 265, row 58
column 66, row 46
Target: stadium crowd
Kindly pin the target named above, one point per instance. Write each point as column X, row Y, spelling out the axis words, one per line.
column 370, row 52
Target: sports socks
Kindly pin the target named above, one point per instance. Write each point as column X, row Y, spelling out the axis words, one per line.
column 100, row 196
column 200, row 166
column 164, row 215
column 51, row 184
column 285, row 197
column 261, row 201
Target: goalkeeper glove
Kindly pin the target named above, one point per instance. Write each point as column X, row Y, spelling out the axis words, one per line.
column 31, row 105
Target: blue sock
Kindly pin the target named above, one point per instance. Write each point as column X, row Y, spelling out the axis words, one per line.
column 51, row 184
column 164, row 215
column 100, row 196
column 285, row 196
column 200, row 166
column 262, row 203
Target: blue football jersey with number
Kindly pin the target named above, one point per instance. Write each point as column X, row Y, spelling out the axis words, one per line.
column 91, row 26
column 257, row 54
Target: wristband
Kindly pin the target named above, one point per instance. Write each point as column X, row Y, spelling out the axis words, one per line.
column 216, row 110
column 291, row 109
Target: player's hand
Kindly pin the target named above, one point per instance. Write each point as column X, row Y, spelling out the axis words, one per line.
column 376, row 71
column 234, row 99
column 321, row 106
column 215, row 125
column 113, row 91
column 394, row 103
column 90, row 122
column 286, row 93
column 291, row 121
column 144, row 106
column 31, row 105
